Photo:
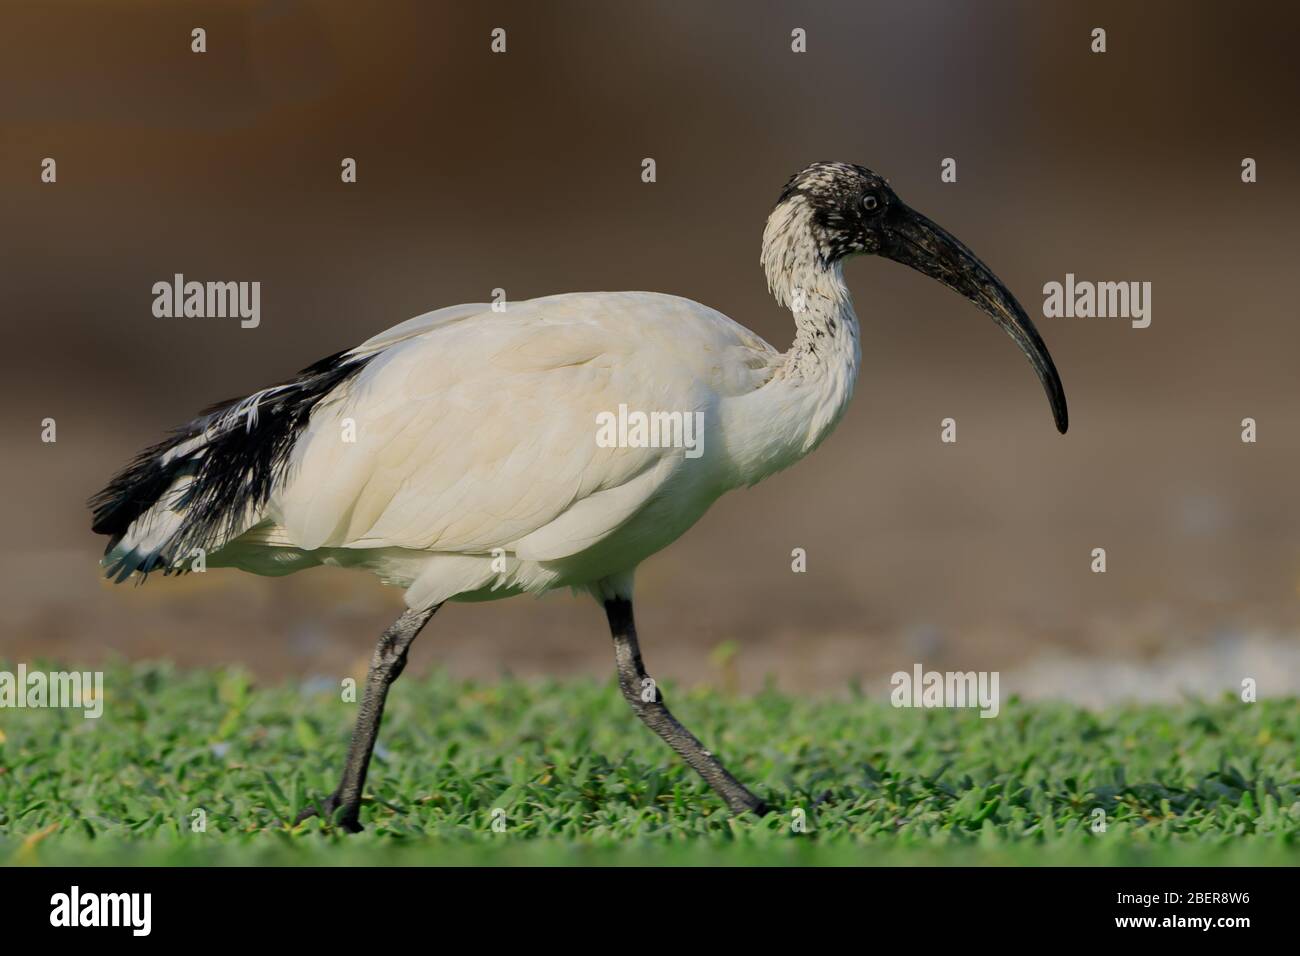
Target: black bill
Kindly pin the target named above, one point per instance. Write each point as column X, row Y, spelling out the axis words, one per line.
column 915, row 241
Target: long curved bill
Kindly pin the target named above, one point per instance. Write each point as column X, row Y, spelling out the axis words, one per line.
column 917, row 242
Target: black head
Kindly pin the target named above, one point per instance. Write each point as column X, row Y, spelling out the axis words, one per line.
column 852, row 211
column 848, row 205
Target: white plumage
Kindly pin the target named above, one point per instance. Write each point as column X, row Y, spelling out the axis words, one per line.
column 475, row 445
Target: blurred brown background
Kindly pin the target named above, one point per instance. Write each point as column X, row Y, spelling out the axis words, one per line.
column 522, row 171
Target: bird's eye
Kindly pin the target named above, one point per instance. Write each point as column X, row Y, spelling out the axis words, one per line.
column 870, row 202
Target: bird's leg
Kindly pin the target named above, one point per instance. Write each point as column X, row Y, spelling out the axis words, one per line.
column 642, row 693
column 387, row 663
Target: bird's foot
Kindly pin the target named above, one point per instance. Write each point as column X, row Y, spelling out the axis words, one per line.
column 333, row 811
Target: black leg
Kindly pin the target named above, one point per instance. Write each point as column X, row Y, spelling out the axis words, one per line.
column 637, row 687
column 386, row 665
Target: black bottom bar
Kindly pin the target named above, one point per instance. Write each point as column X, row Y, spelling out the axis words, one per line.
column 921, row 905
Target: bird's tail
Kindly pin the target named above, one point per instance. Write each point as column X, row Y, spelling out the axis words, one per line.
column 209, row 481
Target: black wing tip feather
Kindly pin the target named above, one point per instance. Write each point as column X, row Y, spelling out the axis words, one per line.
column 234, row 469
column 133, row 490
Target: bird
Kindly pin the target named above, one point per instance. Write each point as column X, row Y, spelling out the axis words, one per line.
column 459, row 455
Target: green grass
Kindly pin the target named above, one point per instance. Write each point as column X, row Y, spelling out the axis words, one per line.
column 581, row 781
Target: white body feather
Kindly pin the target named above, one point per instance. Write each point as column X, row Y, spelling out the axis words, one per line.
column 475, row 446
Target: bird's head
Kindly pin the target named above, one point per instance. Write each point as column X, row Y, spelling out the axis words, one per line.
column 830, row 211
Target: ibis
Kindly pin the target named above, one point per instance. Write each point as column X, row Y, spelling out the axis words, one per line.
column 464, row 455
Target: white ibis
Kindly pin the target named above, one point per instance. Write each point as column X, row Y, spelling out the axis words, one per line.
column 464, row 455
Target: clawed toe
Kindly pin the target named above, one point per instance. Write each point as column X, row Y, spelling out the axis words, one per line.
column 327, row 811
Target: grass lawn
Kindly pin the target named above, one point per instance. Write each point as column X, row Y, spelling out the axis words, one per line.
column 572, row 777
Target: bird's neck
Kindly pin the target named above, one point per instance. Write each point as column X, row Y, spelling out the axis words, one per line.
column 808, row 394
column 821, row 367
column 825, row 350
